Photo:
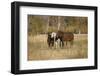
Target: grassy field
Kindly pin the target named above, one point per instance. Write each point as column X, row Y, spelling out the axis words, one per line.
column 39, row 50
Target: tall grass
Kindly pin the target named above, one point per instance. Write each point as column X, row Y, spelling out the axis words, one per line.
column 39, row 50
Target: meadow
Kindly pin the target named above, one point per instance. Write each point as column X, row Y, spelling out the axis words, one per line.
column 38, row 48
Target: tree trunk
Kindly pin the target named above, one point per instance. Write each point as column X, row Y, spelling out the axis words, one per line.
column 58, row 22
column 47, row 24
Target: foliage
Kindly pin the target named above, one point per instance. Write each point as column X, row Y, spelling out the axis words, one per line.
column 38, row 24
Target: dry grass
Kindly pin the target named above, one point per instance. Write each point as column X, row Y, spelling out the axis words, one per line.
column 39, row 50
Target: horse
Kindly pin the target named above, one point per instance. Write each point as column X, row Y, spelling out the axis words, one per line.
column 50, row 40
column 65, row 37
column 53, row 40
column 58, row 38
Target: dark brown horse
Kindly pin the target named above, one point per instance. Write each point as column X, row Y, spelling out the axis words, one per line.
column 50, row 40
column 65, row 37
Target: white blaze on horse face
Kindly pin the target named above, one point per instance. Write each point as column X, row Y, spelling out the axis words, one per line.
column 53, row 35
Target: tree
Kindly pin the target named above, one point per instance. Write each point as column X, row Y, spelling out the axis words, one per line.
column 59, row 23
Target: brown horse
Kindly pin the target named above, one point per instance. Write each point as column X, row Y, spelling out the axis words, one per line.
column 65, row 37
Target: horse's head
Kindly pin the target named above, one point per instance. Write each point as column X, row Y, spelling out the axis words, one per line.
column 53, row 35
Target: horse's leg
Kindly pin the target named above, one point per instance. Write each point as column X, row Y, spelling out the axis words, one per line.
column 48, row 43
column 62, row 43
column 52, row 44
column 55, row 44
column 66, row 43
column 71, row 43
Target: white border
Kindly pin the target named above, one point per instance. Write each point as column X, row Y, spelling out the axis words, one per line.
column 26, row 65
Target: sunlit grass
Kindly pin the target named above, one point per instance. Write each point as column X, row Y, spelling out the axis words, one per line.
column 39, row 50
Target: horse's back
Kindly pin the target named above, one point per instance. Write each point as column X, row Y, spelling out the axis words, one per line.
column 68, row 36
